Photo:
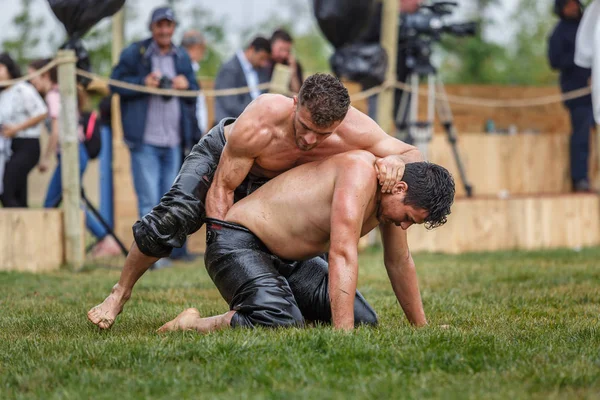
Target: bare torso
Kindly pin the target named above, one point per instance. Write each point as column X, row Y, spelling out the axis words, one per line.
column 291, row 214
column 281, row 153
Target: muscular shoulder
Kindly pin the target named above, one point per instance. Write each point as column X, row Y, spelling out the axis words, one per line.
column 259, row 123
column 356, row 165
column 359, row 129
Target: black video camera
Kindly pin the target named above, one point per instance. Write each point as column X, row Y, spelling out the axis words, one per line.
column 165, row 83
column 419, row 30
column 429, row 20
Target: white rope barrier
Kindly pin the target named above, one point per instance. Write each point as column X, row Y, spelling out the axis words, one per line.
column 463, row 100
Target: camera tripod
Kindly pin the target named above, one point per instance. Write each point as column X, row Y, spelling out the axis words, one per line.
column 420, row 132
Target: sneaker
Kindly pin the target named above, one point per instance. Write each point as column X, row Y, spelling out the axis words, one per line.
column 581, row 186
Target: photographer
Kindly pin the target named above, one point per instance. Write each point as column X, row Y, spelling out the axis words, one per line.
column 155, row 127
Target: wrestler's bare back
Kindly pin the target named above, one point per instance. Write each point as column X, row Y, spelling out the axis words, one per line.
column 291, row 214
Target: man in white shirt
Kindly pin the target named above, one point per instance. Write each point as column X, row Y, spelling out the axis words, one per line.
column 195, row 45
column 587, row 50
column 245, row 69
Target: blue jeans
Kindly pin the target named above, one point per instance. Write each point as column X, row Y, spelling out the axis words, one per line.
column 54, row 193
column 154, row 169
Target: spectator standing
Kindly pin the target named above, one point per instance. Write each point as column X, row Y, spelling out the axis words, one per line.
column 587, row 50
column 561, row 53
column 22, row 112
column 155, row 127
column 282, row 53
column 195, row 45
column 245, row 69
column 47, row 85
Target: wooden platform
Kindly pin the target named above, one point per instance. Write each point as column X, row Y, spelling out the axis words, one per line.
column 31, row 240
column 528, row 223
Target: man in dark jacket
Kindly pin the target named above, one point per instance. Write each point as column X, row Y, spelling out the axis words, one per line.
column 246, row 68
column 561, row 53
column 155, row 127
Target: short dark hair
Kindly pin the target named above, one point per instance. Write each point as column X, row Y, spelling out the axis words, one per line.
column 259, row 43
column 325, row 97
column 13, row 68
column 41, row 63
column 281, row 34
column 430, row 187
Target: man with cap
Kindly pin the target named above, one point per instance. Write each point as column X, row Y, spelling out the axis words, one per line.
column 561, row 53
column 155, row 126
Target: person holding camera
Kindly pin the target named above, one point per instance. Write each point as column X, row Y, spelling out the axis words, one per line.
column 155, row 126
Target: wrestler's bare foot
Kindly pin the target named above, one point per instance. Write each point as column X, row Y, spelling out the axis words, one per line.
column 104, row 314
column 186, row 321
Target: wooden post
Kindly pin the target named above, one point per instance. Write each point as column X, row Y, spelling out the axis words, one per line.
column 71, row 191
column 389, row 41
column 118, row 34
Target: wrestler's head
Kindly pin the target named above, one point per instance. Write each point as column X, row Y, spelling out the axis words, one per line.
column 424, row 196
column 321, row 106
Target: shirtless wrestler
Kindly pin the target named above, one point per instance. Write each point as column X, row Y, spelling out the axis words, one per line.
column 322, row 206
column 273, row 135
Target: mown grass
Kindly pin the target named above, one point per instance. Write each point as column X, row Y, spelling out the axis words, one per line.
column 522, row 325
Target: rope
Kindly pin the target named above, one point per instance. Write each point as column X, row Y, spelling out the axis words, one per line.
column 464, row 100
column 514, row 103
column 34, row 74
column 170, row 92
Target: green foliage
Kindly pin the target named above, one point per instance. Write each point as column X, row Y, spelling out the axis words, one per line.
column 98, row 42
column 478, row 60
column 25, row 37
column 522, row 326
column 213, row 30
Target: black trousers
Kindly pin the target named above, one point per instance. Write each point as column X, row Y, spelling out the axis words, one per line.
column 266, row 290
column 25, row 156
column 582, row 121
column 181, row 210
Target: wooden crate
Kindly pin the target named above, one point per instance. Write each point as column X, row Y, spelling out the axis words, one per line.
column 528, row 223
column 31, row 240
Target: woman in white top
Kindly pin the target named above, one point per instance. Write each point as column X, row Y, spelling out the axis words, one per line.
column 22, row 112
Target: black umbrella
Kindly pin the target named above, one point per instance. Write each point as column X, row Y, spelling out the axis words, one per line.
column 343, row 21
column 79, row 16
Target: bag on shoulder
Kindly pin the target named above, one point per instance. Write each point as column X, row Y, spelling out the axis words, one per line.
column 91, row 129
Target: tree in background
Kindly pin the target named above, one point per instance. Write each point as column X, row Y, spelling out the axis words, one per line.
column 523, row 61
column 22, row 46
column 473, row 59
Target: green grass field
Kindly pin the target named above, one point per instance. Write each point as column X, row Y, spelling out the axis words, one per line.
column 522, row 325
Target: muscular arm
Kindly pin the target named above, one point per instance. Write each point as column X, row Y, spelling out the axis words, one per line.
column 350, row 199
column 370, row 137
column 244, row 144
column 402, row 273
column 365, row 134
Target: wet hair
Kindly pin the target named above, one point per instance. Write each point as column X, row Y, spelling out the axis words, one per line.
column 13, row 68
column 281, row 34
column 430, row 187
column 326, row 98
column 259, row 43
column 41, row 63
